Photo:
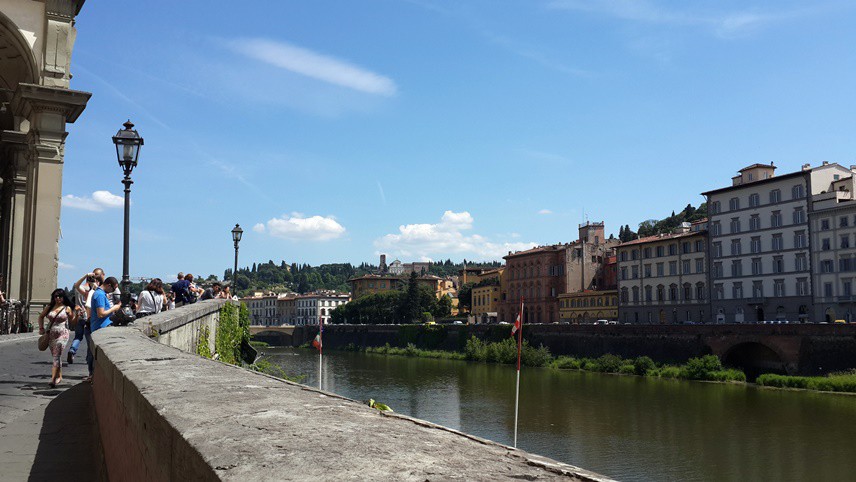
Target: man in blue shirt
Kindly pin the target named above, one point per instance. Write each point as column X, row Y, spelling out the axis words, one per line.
column 100, row 315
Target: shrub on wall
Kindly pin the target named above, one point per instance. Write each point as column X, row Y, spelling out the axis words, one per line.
column 234, row 327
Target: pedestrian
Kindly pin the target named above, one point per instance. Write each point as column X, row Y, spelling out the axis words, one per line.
column 170, row 301
column 83, row 289
column 226, row 292
column 100, row 317
column 59, row 313
column 181, row 290
column 212, row 292
column 194, row 290
column 151, row 300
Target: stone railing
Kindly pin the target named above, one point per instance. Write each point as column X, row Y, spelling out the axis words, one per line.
column 165, row 413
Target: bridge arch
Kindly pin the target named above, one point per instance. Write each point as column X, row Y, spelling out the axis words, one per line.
column 274, row 337
column 755, row 358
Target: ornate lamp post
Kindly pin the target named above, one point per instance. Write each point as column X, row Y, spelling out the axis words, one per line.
column 128, row 143
column 237, row 232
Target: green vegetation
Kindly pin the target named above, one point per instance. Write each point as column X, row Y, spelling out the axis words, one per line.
column 836, row 382
column 231, row 331
column 203, row 347
column 259, row 344
column 379, row 406
column 652, row 227
column 505, row 351
column 268, row 368
column 411, row 351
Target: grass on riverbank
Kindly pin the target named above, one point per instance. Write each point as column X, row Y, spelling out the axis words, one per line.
column 836, row 382
column 411, row 351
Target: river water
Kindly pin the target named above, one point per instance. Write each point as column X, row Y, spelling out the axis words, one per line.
column 628, row 428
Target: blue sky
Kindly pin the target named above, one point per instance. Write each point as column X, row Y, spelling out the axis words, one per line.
column 336, row 130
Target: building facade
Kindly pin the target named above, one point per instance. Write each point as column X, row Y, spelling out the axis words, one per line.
column 760, row 259
column 486, row 296
column 372, row 284
column 286, row 308
column 262, row 309
column 586, row 259
column 663, row 279
column 537, row 276
column 314, row 307
column 832, row 223
column 588, row 306
column 36, row 41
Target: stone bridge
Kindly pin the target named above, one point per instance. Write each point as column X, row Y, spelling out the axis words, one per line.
column 274, row 335
column 797, row 349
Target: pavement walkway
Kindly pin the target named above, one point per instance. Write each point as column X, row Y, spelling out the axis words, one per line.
column 45, row 433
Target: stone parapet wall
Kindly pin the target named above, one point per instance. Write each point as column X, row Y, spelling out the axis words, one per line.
column 182, row 328
column 166, row 414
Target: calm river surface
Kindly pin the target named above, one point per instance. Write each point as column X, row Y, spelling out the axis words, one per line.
column 628, row 428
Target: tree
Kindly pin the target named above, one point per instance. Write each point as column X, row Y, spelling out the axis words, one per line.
column 444, row 307
column 411, row 306
column 465, row 296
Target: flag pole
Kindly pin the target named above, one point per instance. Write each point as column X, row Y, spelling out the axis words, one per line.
column 519, row 328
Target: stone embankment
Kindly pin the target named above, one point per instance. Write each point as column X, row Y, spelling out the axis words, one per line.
column 165, row 413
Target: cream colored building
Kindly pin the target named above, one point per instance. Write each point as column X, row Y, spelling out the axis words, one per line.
column 36, row 41
column 663, row 278
column 760, row 263
column 263, row 309
column 314, row 307
column 588, row 306
column 286, row 308
column 486, row 296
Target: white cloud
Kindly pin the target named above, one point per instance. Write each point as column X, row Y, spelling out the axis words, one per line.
column 444, row 238
column 98, row 201
column 314, row 65
column 545, row 211
column 297, row 227
column 62, row 265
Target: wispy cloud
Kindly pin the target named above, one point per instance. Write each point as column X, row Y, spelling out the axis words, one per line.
column 118, row 93
column 445, row 237
column 98, row 201
column 62, row 265
column 314, row 65
column 723, row 24
column 297, row 227
column 545, row 212
column 380, row 190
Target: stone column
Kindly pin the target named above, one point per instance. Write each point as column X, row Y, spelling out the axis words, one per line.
column 47, row 109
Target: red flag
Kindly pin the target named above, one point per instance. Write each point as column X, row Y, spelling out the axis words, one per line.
column 317, row 341
column 518, row 322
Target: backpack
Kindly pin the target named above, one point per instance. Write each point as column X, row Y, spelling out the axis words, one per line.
column 182, row 292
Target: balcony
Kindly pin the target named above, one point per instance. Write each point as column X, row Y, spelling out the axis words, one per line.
column 756, row 300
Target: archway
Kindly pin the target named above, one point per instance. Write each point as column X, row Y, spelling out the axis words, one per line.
column 754, row 359
column 662, row 317
column 274, row 338
column 759, row 314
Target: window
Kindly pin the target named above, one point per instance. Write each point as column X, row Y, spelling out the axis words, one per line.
column 716, row 228
column 734, row 204
column 799, row 216
column 756, row 266
column 718, row 291
column 779, row 287
column 776, row 219
column 799, row 239
column 661, row 293
column 755, row 244
column 622, row 256
column 688, row 292
column 754, row 222
column 646, row 253
column 625, row 295
column 647, row 268
column 635, row 271
column 737, row 290
column 623, row 273
column 717, row 270
column 826, row 266
column 845, row 241
column 757, row 289
column 686, row 247
column 844, row 265
column 673, row 268
column 735, row 247
column 848, row 288
column 686, row 266
column 661, row 251
column 660, row 269
column 699, row 246
column 778, row 264
column 699, row 265
column 824, row 224
column 775, row 196
column 673, row 292
column 717, row 250
column 736, row 268
column 699, row 291
column 801, row 264
column 824, row 244
column 827, row 290
column 673, row 249
column 778, row 243
column 843, row 221
column 802, row 286
column 715, row 207
column 798, row 192
column 648, row 293
column 754, row 200
column 735, row 225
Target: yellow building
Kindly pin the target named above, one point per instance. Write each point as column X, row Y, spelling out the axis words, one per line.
column 371, row 284
column 588, row 306
column 486, row 295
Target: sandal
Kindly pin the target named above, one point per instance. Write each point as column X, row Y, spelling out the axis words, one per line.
column 52, row 385
column 88, row 379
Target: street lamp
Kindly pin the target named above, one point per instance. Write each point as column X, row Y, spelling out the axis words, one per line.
column 237, row 232
column 128, row 143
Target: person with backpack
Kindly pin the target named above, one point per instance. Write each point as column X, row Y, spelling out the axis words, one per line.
column 151, row 300
column 181, row 290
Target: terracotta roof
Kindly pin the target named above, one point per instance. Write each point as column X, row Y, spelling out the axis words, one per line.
column 756, row 165
column 553, row 247
column 754, row 184
column 661, row 237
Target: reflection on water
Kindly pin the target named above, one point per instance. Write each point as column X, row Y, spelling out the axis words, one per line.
column 626, row 427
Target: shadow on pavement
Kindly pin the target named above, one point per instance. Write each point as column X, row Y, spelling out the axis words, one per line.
column 69, row 446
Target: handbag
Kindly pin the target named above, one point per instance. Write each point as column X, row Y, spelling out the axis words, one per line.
column 45, row 339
